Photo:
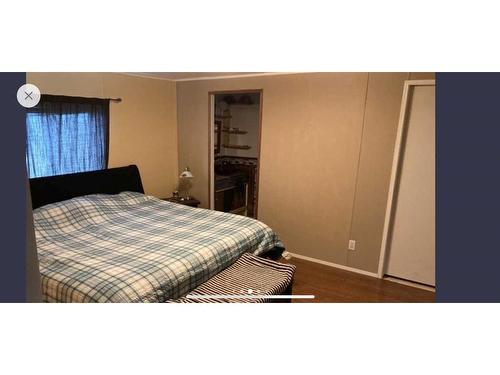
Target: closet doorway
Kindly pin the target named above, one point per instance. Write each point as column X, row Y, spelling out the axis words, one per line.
column 408, row 246
column 235, row 121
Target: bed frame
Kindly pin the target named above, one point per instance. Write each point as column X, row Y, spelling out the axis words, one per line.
column 46, row 190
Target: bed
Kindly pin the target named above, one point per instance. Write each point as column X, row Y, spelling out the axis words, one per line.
column 100, row 239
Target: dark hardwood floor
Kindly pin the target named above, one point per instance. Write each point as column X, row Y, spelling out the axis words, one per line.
column 330, row 284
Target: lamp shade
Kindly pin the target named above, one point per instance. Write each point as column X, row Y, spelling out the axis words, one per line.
column 186, row 173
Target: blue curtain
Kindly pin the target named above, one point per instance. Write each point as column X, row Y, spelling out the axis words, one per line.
column 67, row 135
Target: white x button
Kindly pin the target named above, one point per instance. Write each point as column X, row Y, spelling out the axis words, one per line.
column 28, row 95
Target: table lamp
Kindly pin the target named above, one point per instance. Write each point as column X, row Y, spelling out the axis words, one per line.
column 186, row 177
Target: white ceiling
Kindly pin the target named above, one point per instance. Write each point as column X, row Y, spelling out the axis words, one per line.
column 188, row 76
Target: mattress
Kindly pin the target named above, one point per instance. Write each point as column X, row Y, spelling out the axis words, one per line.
column 131, row 247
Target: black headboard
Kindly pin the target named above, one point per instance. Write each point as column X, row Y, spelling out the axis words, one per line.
column 46, row 190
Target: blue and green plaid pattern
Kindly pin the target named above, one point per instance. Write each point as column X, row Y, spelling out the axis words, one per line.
column 135, row 248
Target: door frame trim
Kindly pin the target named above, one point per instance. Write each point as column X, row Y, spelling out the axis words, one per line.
column 396, row 169
column 211, row 155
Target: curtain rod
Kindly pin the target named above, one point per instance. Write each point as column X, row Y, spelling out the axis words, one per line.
column 72, row 98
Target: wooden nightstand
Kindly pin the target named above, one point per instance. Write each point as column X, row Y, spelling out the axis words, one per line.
column 192, row 202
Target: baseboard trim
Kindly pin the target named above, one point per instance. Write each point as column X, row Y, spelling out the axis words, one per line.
column 410, row 283
column 335, row 265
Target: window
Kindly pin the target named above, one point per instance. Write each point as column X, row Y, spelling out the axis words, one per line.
column 67, row 135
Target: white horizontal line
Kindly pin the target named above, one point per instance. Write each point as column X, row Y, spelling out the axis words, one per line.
column 248, row 296
column 208, row 78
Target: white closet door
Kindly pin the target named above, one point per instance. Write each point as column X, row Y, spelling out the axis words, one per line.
column 412, row 241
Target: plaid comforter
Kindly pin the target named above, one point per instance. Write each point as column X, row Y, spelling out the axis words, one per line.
column 134, row 248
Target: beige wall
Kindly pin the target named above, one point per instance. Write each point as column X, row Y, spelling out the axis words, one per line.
column 326, row 154
column 326, row 149
column 143, row 127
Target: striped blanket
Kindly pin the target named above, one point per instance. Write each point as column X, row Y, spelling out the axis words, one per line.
column 250, row 279
column 135, row 248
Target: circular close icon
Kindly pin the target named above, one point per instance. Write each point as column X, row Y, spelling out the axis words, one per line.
column 28, row 95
